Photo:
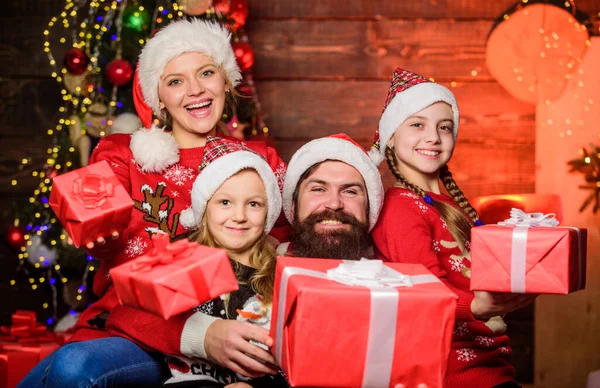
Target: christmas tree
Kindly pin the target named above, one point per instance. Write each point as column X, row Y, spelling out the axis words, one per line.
column 93, row 48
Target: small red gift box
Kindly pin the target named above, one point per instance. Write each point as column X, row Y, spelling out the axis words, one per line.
column 333, row 328
column 173, row 278
column 30, row 343
column 522, row 259
column 90, row 202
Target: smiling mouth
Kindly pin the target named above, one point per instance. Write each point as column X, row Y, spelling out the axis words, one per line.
column 428, row 153
column 330, row 222
column 200, row 105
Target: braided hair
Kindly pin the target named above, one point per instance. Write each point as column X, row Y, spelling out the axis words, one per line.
column 458, row 224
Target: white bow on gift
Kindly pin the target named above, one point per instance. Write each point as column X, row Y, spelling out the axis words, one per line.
column 368, row 273
column 519, row 218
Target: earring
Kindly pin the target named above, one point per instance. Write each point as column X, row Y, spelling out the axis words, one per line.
column 227, row 90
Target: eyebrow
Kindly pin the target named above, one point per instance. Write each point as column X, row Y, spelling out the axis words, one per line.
column 180, row 74
column 425, row 118
column 344, row 186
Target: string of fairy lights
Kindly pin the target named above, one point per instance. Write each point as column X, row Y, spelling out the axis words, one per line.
column 84, row 32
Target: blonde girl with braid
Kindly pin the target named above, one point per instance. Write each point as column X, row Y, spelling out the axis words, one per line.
column 421, row 224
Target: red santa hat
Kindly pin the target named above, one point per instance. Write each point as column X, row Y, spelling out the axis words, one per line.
column 223, row 159
column 154, row 150
column 338, row 147
column 409, row 93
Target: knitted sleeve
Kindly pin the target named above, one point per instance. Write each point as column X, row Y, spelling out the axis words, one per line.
column 403, row 235
column 180, row 335
column 115, row 150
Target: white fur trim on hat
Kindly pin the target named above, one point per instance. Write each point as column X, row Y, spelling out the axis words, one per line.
column 177, row 38
column 154, row 149
column 410, row 101
column 331, row 148
column 217, row 172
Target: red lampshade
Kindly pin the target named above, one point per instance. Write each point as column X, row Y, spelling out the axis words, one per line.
column 496, row 208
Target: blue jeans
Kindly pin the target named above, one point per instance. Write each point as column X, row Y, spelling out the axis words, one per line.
column 105, row 362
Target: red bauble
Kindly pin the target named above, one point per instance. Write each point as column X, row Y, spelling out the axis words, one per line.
column 76, row 61
column 243, row 55
column 119, row 72
column 15, row 236
column 235, row 9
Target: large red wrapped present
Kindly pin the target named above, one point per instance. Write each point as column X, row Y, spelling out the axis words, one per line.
column 90, row 202
column 360, row 324
column 20, row 352
column 528, row 254
column 174, row 278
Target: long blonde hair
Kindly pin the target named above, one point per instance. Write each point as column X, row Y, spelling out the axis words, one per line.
column 458, row 225
column 262, row 257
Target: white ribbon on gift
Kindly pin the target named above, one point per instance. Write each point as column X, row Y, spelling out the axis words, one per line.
column 519, row 218
column 382, row 281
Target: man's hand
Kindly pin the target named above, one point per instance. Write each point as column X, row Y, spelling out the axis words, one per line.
column 491, row 304
column 227, row 344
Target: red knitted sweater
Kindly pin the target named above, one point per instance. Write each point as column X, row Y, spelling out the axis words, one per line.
column 411, row 231
column 159, row 199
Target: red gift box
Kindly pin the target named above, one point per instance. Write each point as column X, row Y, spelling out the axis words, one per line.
column 521, row 259
column 31, row 343
column 90, row 202
column 395, row 330
column 174, row 278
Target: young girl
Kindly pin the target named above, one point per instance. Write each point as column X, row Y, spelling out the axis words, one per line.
column 235, row 202
column 186, row 75
column 418, row 224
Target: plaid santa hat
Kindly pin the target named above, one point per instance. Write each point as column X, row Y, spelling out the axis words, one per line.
column 154, row 150
column 223, row 159
column 338, row 147
column 409, row 93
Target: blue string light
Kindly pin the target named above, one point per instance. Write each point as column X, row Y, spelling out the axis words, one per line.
column 50, row 321
column 52, row 281
column 478, row 223
column 428, row 199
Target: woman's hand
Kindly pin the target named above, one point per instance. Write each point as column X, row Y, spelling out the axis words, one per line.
column 490, row 304
column 101, row 241
column 227, row 344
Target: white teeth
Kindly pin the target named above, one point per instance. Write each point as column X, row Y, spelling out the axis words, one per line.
column 200, row 105
column 429, row 153
column 331, row 222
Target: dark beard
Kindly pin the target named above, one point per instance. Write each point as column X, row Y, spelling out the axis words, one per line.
column 338, row 244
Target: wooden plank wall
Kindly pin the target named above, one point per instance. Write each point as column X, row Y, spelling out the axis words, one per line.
column 322, row 67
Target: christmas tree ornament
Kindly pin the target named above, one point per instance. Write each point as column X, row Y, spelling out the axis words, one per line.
column 96, row 119
column 119, row 72
column 40, row 253
column 195, row 7
column 75, row 84
column 126, row 122
column 15, row 236
column 80, row 140
column 136, row 18
column 76, row 61
column 535, row 47
column 244, row 55
column 237, row 10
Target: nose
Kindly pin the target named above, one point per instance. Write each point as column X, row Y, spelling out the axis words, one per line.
column 239, row 214
column 432, row 135
column 334, row 201
column 195, row 87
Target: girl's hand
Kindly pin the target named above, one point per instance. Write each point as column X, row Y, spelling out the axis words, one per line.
column 238, row 385
column 101, row 241
column 490, row 304
column 227, row 344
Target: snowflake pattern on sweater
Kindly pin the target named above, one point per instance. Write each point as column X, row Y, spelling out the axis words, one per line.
column 405, row 233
